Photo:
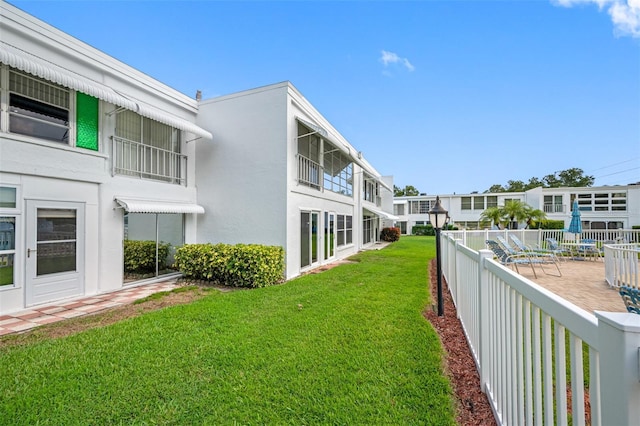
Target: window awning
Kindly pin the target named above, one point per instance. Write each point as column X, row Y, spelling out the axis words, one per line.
column 49, row 71
column 314, row 127
column 382, row 214
column 131, row 205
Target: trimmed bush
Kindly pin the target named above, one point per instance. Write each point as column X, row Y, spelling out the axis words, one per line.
column 390, row 234
column 548, row 224
column 422, row 230
column 240, row 265
column 140, row 256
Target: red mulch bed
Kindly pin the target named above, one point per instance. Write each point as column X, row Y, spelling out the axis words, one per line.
column 473, row 406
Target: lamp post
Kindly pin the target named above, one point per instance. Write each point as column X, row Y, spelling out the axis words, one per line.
column 439, row 217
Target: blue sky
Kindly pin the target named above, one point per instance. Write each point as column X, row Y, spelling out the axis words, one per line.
column 447, row 96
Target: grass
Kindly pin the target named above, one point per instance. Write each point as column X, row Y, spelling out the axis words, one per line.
column 347, row 346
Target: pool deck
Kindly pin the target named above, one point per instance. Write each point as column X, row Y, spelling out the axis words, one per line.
column 582, row 283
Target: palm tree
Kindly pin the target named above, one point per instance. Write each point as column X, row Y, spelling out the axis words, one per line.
column 534, row 215
column 515, row 210
column 494, row 215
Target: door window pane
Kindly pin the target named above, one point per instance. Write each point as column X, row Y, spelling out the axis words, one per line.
column 305, row 226
column 56, row 241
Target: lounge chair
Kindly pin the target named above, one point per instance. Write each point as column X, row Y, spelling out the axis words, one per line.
column 631, row 298
column 548, row 258
column 554, row 247
column 508, row 259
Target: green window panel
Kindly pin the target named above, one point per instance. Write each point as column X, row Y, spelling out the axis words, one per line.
column 86, row 121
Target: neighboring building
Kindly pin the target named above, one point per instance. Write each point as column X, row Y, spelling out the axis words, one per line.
column 92, row 152
column 278, row 173
column 603, row 207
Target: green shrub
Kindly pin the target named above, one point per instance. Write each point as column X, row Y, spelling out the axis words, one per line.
column 240, row 265
column 422, row 230
column 390, row 234
column 548, row 224
column 140, row 256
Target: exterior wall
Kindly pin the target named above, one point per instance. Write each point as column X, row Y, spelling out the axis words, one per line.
column 242, row 176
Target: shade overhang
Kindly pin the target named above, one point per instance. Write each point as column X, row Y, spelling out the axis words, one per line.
column 132, row 205
column 29, row 63
column 382, row 214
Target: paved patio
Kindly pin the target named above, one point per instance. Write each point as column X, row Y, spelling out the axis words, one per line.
column 582, row 283
column 25, row 320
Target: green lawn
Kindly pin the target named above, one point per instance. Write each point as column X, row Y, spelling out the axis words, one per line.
column 347, row 346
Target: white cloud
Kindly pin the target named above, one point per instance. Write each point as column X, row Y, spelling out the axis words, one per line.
column 625, row 14
column 392, row 59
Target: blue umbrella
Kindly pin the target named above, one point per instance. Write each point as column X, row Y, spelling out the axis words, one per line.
column 575, row 227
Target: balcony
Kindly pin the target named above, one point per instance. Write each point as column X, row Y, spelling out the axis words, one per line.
column 555, row 208
column 309, row 172
column 130, row 158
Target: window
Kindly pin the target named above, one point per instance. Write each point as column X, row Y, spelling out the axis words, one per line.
column 45, row 110
column 338, row 171
column 38, row 108
column 492, row 201
column 345, row 230
column 8, row 202
column 478, row 203
column 7, row 249
column 465, row 203
column 370, row 189
column 398, row 209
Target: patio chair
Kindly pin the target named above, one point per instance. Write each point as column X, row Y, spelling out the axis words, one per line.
column 631, row 298
column 510, row 259
column 555, row 248
column 589, row 250
column 548, row 258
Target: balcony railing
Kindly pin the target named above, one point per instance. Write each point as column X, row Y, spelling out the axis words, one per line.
column 130, row 158
column 554, row 208
column 309, row 172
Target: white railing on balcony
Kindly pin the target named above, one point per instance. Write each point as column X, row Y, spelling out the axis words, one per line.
column 309, row 172
column 513, row 325
column 622, row 264
column 554, row 208
column 132, row 158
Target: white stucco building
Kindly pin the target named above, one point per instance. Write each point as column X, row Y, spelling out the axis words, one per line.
column 602, row 207
column 92, row 152
column 95, row 154
column 279, row 173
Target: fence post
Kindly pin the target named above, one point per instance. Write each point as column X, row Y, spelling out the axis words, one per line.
column 619, row 347
column 483, row 316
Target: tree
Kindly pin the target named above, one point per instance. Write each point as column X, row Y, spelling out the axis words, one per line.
column 494, row 215
column 407, row 191
column 516, row 211
column 534, row 215
column 573, row 177
column 496, row 188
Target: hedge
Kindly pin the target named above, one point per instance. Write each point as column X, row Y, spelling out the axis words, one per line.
column 140, row 256
column 240, row 265
column 390, row 234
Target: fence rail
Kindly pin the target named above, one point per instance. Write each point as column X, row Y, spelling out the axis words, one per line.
column 621, row 264
column 513, row 327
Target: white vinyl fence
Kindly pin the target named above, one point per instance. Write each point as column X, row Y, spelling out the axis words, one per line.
column 513, row 326
column 621, row 264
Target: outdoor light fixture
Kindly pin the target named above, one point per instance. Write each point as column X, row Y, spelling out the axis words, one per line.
column 439, row 217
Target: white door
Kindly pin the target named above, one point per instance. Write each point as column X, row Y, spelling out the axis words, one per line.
column 55, row 251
